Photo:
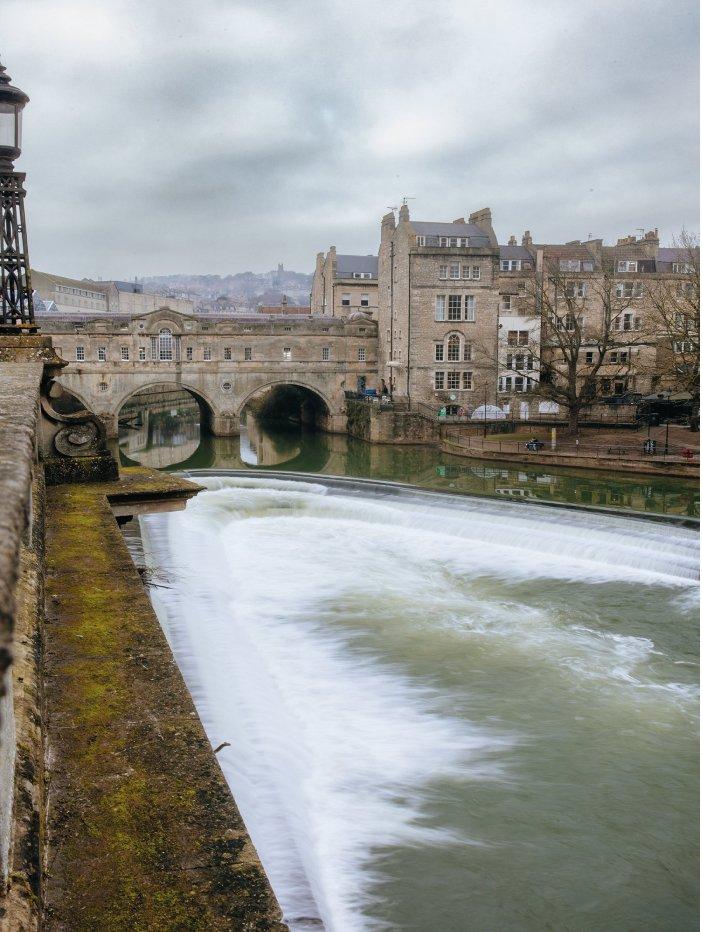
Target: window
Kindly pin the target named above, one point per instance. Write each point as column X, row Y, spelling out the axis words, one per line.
column 124, row 353
column 627, row 265
column 613, row 356
column 509, row 302
column 438, row 352
column 103, row 386
column 510, row 265
column 465, row 271
column 453, row 380
column 142, row 353
column 247, row 353
column 443, row 271
column 287, row 352
column 421, row 240
column 361, row 354
column 102, row 353
column 438, row 381
column 505, row 383
column 682, row 268
column 440, row 311
column 453, row 348
column 365, row 300
column 682, row 346
column 569, row 265
column 454, row 270
column 630, row 289
column 287, row 329
column 454, row 307
column 326, row 353
column 470, row 307
column 628, row 321
column 466, row 381
column 346, row 299
column 569, row 322
column 189, row 353
column 80, row 353
column 467, row 352
column 518, row 338
column 207, row 353
column 587, row 266
column 165, row 344
column 475, row 272
column 575, row 290
column 684, row 289
column 362, row 275
column 227, row 352
column 589, row 358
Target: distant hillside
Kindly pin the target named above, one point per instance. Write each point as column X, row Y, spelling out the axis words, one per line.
column 243, row 289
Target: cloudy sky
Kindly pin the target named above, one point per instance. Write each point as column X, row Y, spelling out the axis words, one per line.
column 217, row 136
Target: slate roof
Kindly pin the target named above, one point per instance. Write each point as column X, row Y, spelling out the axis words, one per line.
column 515, row 252
column 346, row 265
column 429, row 228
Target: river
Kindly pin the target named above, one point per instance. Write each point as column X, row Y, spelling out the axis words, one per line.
column 443, row 713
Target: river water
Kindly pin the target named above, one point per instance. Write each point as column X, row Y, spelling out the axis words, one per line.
column 442, row 713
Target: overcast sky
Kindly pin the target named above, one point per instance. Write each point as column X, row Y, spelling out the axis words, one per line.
column 218, row 136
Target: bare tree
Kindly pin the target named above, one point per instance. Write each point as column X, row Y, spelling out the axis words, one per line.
column 674, row 303
column 589, row 326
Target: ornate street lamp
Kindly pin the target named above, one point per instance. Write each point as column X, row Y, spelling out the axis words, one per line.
column 17, row 310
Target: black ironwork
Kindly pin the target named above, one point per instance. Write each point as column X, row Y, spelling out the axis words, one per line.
column 16, row 305
column 17, row 310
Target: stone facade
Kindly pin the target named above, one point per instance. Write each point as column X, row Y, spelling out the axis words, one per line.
column 464, row 322
column 224, row 362
column 343, row 284
column 438, row 309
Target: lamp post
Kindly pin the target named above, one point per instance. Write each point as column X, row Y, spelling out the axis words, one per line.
column 17, row 309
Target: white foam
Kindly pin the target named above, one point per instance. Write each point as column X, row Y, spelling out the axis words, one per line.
column 334, row 752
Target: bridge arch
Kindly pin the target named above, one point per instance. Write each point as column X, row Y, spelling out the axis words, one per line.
column 288, row 383
column 205, row 403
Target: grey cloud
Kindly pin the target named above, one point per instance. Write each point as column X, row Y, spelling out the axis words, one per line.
column 218, row 136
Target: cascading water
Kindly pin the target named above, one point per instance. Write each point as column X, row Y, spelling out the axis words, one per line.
column 443, row 713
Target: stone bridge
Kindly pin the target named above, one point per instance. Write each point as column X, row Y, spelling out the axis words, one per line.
column 223, row 362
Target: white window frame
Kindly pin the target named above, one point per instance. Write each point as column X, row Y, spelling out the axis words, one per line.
column 361, row 354
column 469, row 308
column 439, row 381
column 80, row 353
column 102, row 354
column 142, row 354
column 124, row 353
column 326, row 353
column 287, row 352
column 440, row 307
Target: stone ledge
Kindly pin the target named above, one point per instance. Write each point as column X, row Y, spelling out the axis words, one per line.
column 142, row 830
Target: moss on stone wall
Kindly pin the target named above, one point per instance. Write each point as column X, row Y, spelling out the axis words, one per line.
column 143, row 832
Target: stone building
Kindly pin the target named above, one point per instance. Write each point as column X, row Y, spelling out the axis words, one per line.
column 223, row 362
column 438, row 297
column 464, row 322
column 345, row 283
column 114, row 297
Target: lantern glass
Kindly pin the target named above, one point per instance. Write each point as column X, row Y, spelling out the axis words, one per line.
column 10, row 126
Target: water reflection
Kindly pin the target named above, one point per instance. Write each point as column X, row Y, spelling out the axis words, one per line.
column 165, row 433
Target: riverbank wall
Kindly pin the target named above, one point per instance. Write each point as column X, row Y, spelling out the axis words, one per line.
column 610, row 464
column 392, row 424
column 114, row 812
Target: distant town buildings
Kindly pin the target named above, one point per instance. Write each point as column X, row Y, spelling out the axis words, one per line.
column 72, row 295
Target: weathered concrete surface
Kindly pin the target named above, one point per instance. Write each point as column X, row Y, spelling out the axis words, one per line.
column 142, row 830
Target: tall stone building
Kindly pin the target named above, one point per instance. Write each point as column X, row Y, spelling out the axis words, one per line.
column 438, row 297
column 343, row 284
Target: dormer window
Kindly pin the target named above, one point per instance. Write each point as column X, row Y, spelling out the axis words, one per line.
column 627, row 265
column 682, row 268
column 510, row 265
column 421, row 240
